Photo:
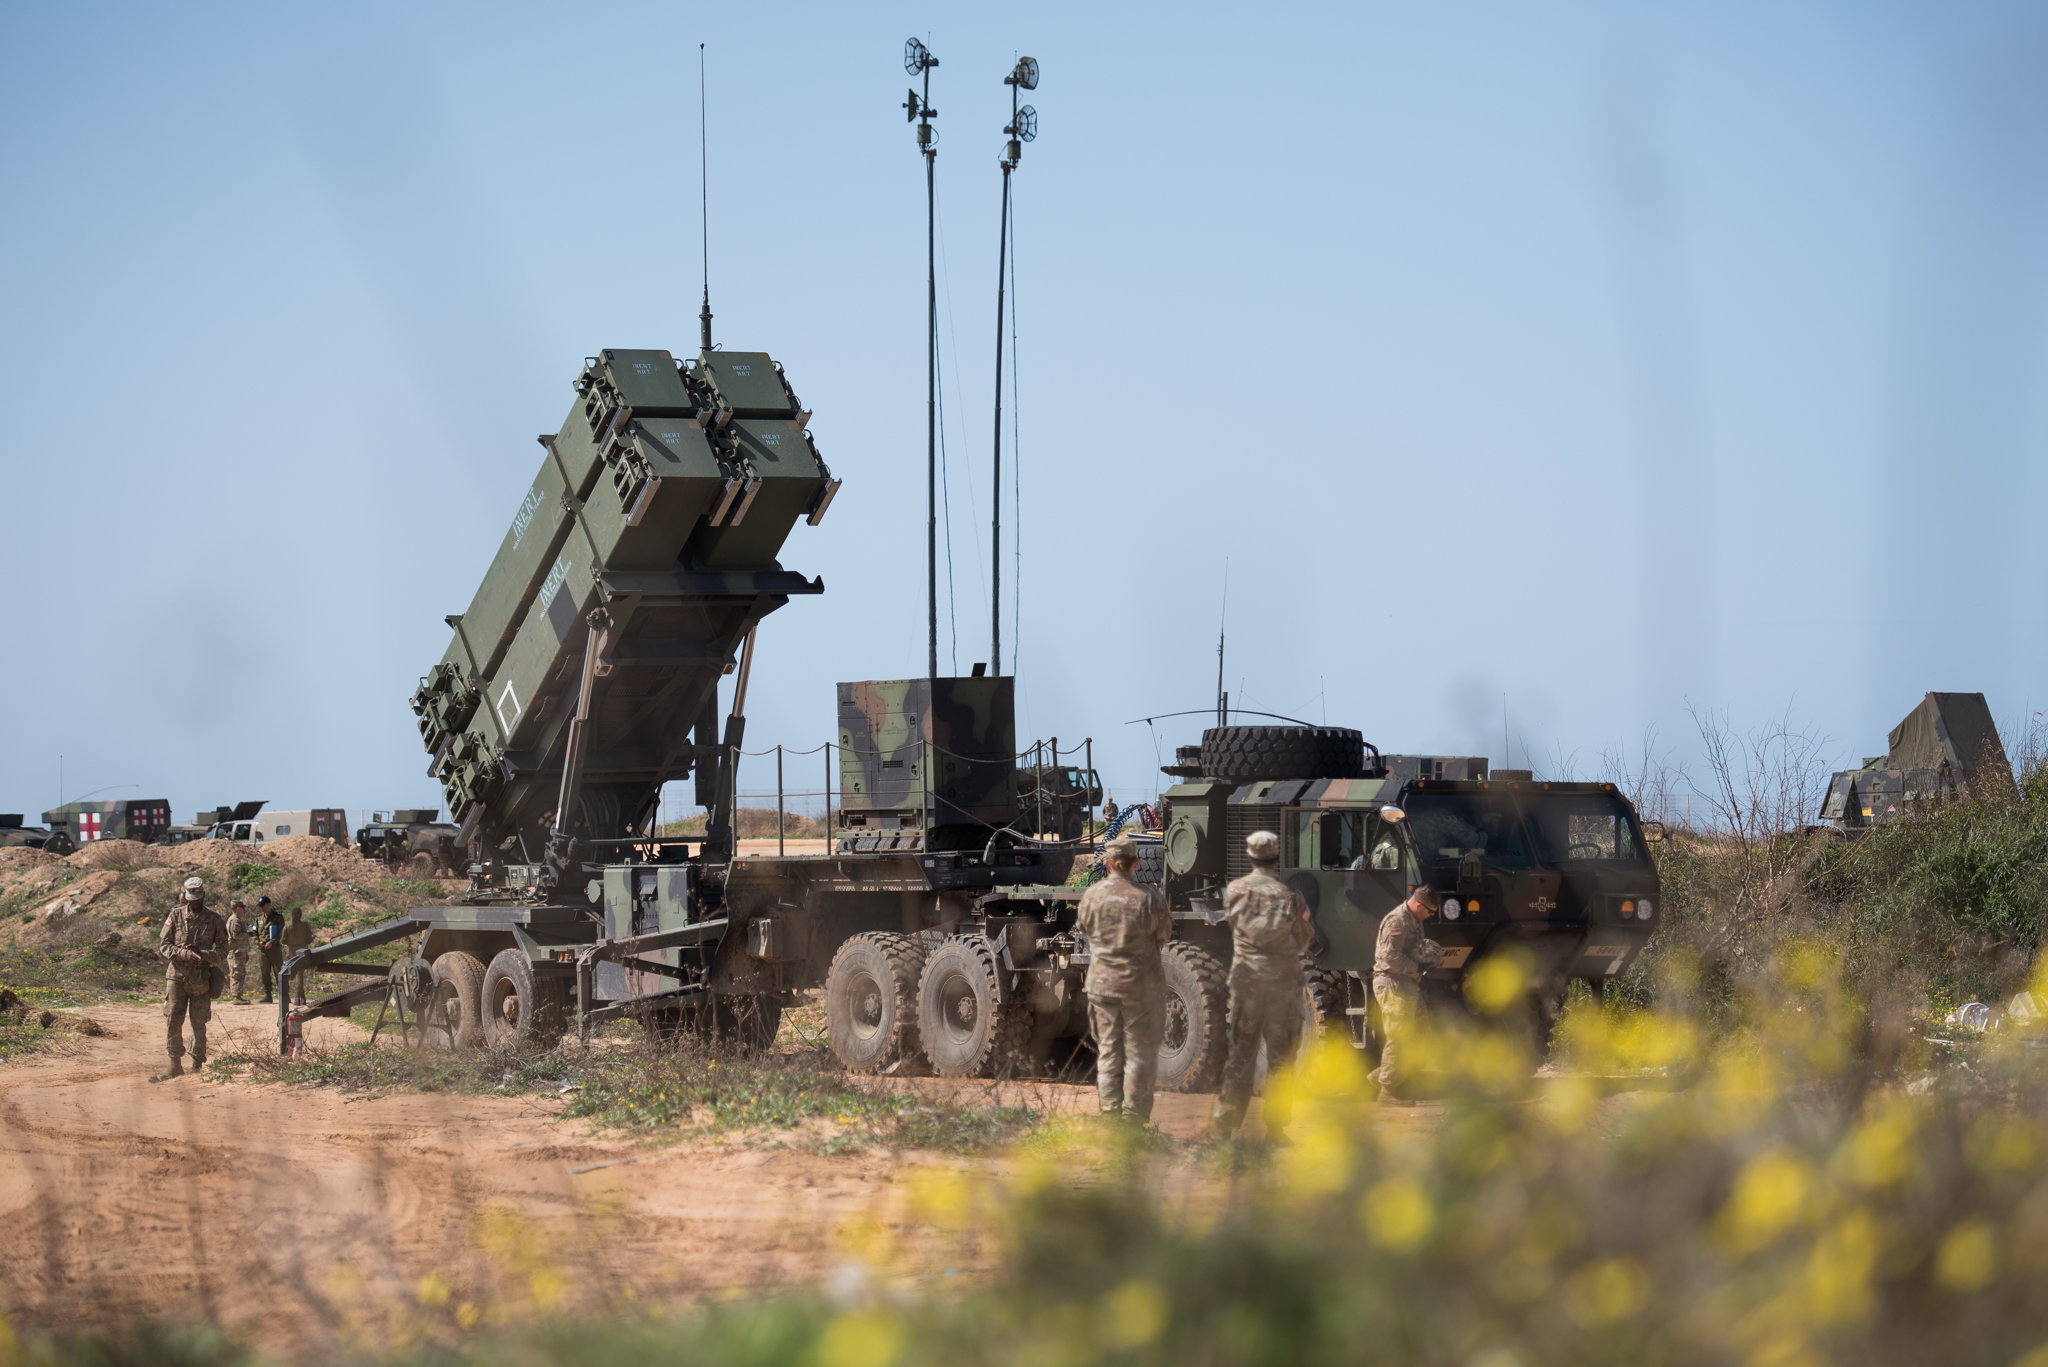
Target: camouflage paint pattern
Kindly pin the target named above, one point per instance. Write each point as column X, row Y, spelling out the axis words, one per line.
column 144, row 819
column 1942, row 748
column 664, row 500
column 912, row 757
column 1350, row 864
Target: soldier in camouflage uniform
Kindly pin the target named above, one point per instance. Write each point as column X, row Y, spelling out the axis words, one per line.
column 193, row 943
column 239, row 927
column 1269, row 929
column 269, row 945
column 1125, row 924
column 296, row 937
column 1401, row 955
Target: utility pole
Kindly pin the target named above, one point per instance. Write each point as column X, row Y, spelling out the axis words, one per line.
column 918, row 61
column 1022, row 128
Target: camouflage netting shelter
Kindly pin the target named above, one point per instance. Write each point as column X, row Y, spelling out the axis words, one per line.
column 1945, row 746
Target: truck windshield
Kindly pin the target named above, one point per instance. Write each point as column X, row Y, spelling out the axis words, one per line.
column 1445, row 827
column 1585, row 828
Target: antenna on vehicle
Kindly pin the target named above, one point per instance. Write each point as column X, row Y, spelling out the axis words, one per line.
column 918, row 61
column 1022, row 128
column 1222, row 698
column 704, row 190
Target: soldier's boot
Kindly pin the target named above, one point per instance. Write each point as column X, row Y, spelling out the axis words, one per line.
column 176, row 1069
column 1224, row 1120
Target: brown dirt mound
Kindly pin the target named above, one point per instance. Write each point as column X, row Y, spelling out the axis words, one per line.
column 19, row 858
column 118, row 854
column 323, row 860
column 210, row 859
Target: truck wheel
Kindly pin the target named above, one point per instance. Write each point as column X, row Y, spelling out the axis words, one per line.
column 1327, row 999
column 968, row 1029
column 1151, row 868
column 1247, row 753
column 1197, row 1001
column 453, row 1018
column 871, row 1000
column 520, row 1011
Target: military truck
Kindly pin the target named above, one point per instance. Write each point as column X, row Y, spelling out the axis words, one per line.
column 1946, row 746
column 1055, row 799
column 1559, row 872
column 413, row 840
column 144, row 819
column 585, row 674
column 13, row 833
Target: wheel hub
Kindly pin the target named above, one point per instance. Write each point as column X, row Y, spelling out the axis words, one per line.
column 1175, row 1036
column 867, row 1006
column 959, row 1010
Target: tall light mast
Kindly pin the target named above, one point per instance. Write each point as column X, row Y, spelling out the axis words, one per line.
column 1022, row 128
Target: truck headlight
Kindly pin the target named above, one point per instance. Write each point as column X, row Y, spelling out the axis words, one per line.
column 1643, row 909
column 1452, row 908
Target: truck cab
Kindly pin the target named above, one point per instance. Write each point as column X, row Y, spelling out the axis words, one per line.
column 1558, row 873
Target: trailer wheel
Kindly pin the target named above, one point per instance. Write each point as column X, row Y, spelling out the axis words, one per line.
column 453, row 1018
column 871, row 1000
column 968, row 1029
column 1195, row 1040
column 521, row 1011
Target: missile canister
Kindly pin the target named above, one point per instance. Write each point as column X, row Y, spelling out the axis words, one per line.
column 656, row 519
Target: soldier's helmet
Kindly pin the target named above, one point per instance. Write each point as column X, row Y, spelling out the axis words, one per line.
column 195, row 886
column 1263, row 847
column 1123, row 847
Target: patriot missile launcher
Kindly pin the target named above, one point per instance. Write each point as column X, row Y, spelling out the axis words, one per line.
column 585, row 674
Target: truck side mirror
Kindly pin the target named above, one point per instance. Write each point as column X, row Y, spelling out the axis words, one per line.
column 1655, row 832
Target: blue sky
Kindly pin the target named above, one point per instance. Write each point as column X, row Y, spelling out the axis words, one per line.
column 1609, row 358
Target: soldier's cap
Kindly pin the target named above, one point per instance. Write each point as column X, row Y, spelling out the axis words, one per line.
column 263, row 901
column 1123, row 847
column 1263, row 847
column 195, row 884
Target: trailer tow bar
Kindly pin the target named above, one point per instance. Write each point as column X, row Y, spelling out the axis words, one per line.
column 627, row 954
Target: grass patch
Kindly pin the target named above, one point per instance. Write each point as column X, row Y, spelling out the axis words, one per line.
column 247, row 877
column 18, row 1039
column 420, row 888
column 634, row 1085
column 61, row 975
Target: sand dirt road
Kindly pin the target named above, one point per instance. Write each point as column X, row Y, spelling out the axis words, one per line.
column 300, row 1217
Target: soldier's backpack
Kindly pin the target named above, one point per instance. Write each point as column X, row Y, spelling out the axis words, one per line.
column 216, row 982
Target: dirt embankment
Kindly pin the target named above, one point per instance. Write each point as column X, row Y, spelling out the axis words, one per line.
column 123, row 888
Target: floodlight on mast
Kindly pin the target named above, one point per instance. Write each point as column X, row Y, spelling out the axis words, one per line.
column 918, row 61
column 1022, row 128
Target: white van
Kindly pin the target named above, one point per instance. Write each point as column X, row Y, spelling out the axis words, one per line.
column 328, row 822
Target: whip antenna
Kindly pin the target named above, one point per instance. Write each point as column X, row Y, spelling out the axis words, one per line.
column 704, row 190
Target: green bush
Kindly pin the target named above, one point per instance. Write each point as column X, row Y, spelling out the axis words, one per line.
column 247, row 877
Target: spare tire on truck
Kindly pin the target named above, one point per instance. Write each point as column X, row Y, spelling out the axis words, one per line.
column 1246, row 754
